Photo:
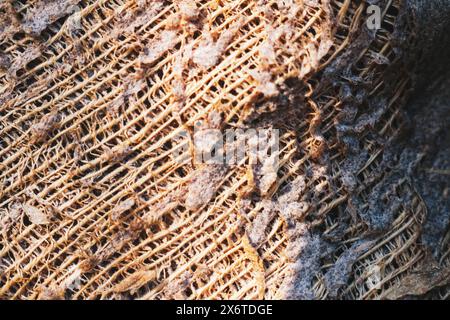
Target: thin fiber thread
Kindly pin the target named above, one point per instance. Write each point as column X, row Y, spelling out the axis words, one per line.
column 92, row 200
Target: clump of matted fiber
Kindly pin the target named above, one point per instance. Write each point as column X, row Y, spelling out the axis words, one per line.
column 93, row 204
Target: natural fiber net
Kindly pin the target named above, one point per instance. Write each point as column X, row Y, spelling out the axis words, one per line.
column 93, row 203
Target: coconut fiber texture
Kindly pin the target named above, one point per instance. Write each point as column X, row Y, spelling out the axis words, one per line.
column 95, row 93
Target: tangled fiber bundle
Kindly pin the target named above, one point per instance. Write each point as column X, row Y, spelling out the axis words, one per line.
column 93, row 203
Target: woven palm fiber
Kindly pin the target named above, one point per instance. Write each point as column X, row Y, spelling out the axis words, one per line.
column 93, row 204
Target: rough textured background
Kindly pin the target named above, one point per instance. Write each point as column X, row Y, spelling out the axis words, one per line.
column 94, row 205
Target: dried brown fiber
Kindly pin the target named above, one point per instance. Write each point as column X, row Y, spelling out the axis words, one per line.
column 94, row 204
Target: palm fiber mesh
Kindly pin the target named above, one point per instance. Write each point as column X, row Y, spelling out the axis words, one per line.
column 93, row 204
